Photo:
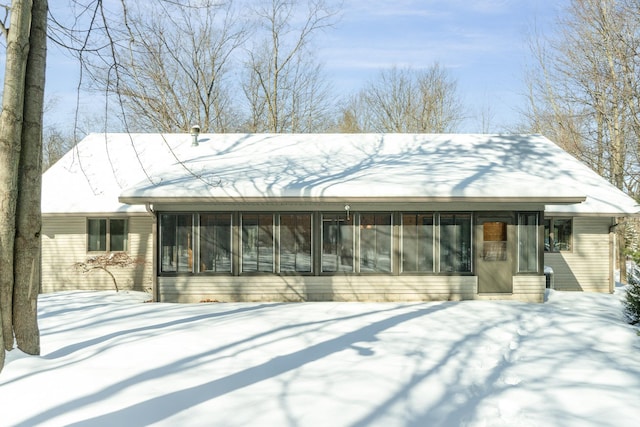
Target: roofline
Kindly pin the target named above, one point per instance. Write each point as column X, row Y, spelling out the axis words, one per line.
column 568, row 200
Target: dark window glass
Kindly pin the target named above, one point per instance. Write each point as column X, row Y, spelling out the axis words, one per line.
column 417, row 242
column 337, row 243
column 295, row 243
column 528, row 242
column 375, row 243
column 455, row 243
column 257, row 243
column 176, row 243
column 97, row 235
column 557, row 234
column 215, row 243
column 118, row 235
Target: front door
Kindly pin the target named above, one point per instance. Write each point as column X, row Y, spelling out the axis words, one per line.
column 495, row 237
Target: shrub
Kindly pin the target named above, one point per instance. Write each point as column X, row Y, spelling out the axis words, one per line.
column 631, row 301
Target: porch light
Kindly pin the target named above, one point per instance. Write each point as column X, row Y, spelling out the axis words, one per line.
column 195, row 131
column 347, row 208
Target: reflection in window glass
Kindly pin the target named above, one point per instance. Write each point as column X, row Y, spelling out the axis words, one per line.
column 215, row 243
column 176, row 243
column 417, row 243
column 97, row 235
column 557, row 234
column 118, row 235
column 337, row 243
column 528, row 242
column 455, row 243
column 257, row 243
column 375, row 243
column 295, row 243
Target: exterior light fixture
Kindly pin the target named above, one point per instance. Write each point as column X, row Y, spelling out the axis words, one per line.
column 347, row 208
column 195, row 131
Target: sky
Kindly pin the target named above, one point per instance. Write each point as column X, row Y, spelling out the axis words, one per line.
column 109, row 359
column 482, row 43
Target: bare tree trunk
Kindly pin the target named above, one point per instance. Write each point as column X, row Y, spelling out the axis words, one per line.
column 10, row 138
column 28, row 218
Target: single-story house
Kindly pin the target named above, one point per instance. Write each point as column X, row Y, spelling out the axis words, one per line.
column 345, row 217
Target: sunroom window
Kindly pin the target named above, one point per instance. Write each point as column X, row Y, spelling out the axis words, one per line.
column 528, row 243
column 295, row 243
column 215, row 243
column 337, row 243
column 375, row 243
column 257, row 243
column 176, row 243
column 417, row 242
column 455, row 243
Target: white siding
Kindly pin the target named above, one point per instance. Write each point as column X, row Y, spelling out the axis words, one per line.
column 316, row 288
column 586, row 267
column 64, row 242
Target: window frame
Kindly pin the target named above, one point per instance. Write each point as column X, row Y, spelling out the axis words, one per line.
column 375, row 229
column 418, row 237
column 108, row 237
column 469, row 216
column 534, row 249
column 550, row 240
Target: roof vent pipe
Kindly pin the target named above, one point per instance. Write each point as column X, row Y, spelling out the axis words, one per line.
column 195, row 131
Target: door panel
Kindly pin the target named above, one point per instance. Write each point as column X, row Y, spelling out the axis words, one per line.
column 495, row 237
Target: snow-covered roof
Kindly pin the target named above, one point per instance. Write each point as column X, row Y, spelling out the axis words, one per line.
column 119, row 172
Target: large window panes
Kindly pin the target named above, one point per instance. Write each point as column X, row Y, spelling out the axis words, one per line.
column 176, row 243
column 337, row 243
column 455, row 243
column 557, row 234
column 257, row 243
column 528, row 243
column 375, row 243
column 295, row 243
column 215, row 243
column 417, row 243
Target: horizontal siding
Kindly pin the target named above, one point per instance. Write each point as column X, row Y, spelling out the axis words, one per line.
column 586, row 268
column 64, row 244
column 316, row 288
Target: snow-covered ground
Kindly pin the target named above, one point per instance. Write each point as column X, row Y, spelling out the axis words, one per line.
column 109, row 359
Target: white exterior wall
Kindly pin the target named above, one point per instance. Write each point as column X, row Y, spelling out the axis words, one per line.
column 64, row 242
column 587, row 266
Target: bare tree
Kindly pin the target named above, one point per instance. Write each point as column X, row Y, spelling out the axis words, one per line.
column 170, row 63
column 284, row 86
column 407, row 100
column 20, row 175
column 585, row 87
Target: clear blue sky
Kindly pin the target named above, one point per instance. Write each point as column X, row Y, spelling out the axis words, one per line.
column 483, row 43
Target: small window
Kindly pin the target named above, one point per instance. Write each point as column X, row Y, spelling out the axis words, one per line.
column 558, row 234
column 107, row 235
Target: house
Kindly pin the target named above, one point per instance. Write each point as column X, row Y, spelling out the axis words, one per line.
column 348, row 217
